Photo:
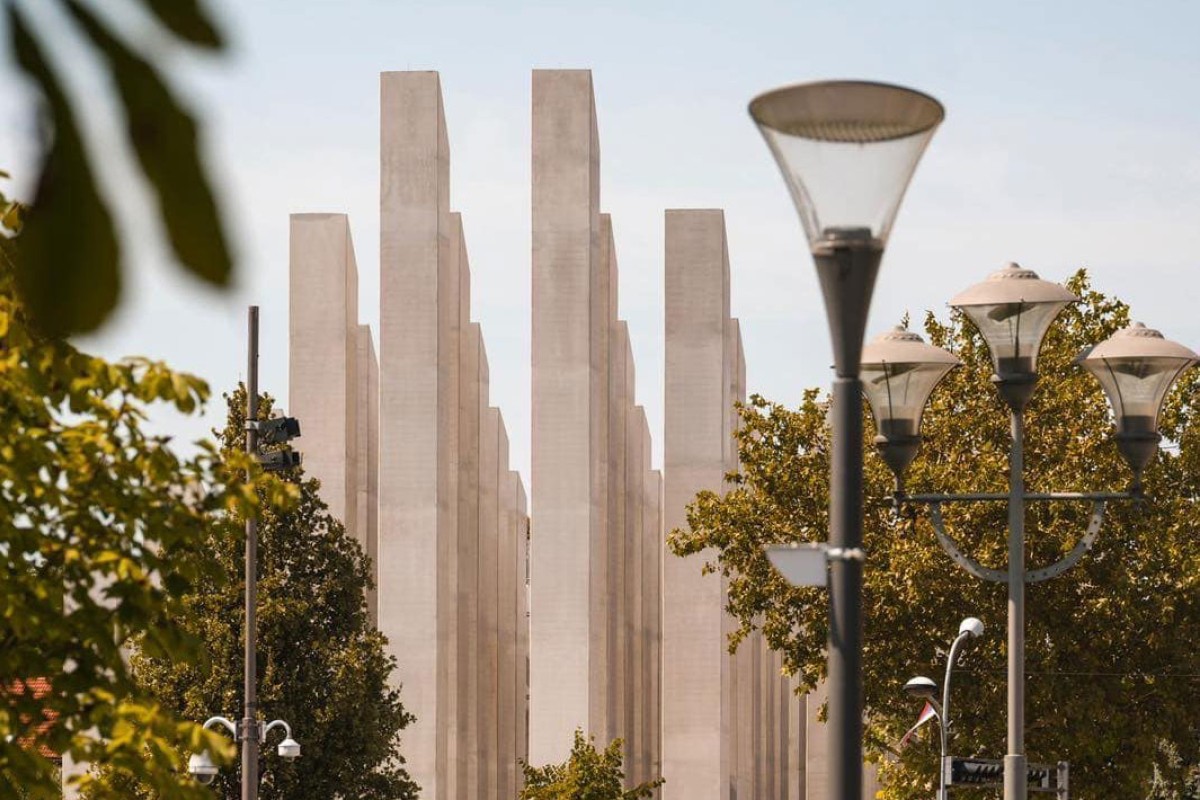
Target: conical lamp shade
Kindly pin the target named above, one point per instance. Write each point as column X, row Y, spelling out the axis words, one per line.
column 847, row 150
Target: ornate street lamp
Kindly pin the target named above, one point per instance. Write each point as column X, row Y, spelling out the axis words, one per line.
column 899, row 372
column 847, row 150
column 1013, row 309
column 1136, row 368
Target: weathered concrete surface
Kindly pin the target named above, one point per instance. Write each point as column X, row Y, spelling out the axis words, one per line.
column 491, row 441
column 419, row 307
column 508, row 610
column 522, row 717
column 323, row 357
column 566, row 671
column 367, row 468
column 697, row 708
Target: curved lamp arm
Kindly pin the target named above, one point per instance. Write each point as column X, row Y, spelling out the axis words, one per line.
column 972, row 566
column 954, row 651
column 287, row 729
column 229, row 726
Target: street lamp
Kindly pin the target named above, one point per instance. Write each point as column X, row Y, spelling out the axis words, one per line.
column 202, row 768
column 1013, row 309
column 250, row 731
column 925, row 688
column 847, row 150
column 899, row 373
column 1136, row 368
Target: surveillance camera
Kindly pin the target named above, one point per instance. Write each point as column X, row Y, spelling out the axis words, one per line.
column 201, row 767
column 289, row 748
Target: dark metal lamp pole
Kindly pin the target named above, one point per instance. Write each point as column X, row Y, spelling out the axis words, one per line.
column 847, row 150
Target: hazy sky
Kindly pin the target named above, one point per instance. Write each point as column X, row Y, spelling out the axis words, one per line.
column 1072, row 139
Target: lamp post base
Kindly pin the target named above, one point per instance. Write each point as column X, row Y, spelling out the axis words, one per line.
column 1016, row 778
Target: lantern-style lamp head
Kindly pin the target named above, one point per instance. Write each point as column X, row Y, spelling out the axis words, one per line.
column 899, row 372
column 1013, row 309
column 1136, row 368
column 847, row 150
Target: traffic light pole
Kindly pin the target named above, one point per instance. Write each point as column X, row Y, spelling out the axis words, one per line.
column 249, row 728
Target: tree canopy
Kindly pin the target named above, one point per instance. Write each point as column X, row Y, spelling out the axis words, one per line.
column 587, row 774
column 1112, row 668
column 104, row 527
column 322, row 666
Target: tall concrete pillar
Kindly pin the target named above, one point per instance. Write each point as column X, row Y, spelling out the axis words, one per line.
column 509, row 570
column 367, row 466
column 652, row 606
column 797, row 706
column 785, row 723
column 568, row 671
column 816, row 755
column 635, row 688
column 522, row 715
column 323, row 357
column 697, row 702
column 492, row 440
column 418, row 352
column 619, row 391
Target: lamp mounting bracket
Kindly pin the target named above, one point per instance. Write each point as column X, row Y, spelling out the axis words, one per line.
column 1031, row 576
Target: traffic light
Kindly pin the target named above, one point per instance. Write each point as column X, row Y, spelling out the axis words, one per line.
column 276, row 430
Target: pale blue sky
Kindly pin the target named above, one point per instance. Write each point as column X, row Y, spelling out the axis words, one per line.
column 1071, row 139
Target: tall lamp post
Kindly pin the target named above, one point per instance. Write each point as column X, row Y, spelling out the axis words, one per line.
column 847, row 150
column 1013, row 309
column 251, row 732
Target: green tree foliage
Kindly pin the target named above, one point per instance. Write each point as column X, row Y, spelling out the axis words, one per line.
column 322, row 666
column 1111, row 657
column 103, row 527
column 68, row 269
column 588, row 774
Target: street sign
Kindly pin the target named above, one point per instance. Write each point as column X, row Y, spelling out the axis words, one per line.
column 979, row 772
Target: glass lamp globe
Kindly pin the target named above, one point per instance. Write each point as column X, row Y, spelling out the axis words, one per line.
column 847, row 150
column 1136, row 368
column 1013, row 309
column 899, row 373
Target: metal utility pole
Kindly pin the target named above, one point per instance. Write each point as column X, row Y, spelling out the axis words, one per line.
column 249, row 727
